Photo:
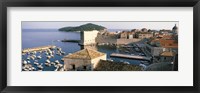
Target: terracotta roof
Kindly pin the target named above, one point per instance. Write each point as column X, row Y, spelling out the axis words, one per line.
column 85, row 54
column 166, row 43
column 167, row 37
column 166, row 53
column 169, row 43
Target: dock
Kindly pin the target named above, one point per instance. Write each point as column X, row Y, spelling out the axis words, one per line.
column 74, row 41
column 41, row 48
column 130, row 56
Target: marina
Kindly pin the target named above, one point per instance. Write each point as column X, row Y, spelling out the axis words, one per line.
column 42, row 59
column 43, row 39
column 50, row 58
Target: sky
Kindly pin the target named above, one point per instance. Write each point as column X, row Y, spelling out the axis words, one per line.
column 109, row 25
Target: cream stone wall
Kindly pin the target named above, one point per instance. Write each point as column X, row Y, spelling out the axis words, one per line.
column 127, row 41
column 97, row 60
column 88, row 37
column 141, row 36
column 79, row 63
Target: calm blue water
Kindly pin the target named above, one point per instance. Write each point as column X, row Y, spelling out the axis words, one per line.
column 42, row 37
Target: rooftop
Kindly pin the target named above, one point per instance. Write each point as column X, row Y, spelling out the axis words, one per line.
column 104, row 65
column 144, row 33
column 166, row 43
column 167, row 53
column 163, row 66
column 169, row 43
column 85, row 54
column 167, row 37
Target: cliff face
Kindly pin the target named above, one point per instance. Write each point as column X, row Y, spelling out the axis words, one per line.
column 85, row 27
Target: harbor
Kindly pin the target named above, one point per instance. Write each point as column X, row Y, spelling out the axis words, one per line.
column 51, row 59
column 43, row 58
column 71, row 50
column 47, row 58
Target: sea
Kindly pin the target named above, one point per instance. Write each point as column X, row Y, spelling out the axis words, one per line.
column 43, row 37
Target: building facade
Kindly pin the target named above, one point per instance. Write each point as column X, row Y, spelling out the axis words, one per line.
column 83, row 60
column 88, row 37
column 124, row 35
column 158, row 46
column 154, row 51
column 142, row 35
column 167, row 56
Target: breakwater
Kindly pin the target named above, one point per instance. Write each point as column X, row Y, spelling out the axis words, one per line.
column 41, row 48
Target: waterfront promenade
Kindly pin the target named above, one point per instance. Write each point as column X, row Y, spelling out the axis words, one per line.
column 41, row 48
column 130, row 56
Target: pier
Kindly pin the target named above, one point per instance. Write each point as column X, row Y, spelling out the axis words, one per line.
column 130, row 56
column 41, row 48
column 74, row 41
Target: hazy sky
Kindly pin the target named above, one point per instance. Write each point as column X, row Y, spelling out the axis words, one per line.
column 110, row 25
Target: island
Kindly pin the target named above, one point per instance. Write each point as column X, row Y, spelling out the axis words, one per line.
column 85, row 27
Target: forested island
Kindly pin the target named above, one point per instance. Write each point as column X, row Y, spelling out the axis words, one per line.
column 85, row 27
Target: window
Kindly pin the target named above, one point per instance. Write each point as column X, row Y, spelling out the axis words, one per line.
column 73, row 66
column 84, row 67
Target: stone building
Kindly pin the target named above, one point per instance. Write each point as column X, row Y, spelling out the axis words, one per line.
column 158, row 46
column 154, row 50
column 127, row 35
column 167, row 56
column 83, row 60
column 124, row 35
column 106, row 65
column 165, row 32
column 155, row 34
column 142, row 35
column 164, row 66
column 88, row 37
column 144, row 30
column 131, row 35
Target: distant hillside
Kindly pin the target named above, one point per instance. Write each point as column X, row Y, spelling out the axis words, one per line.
column 85, row 27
